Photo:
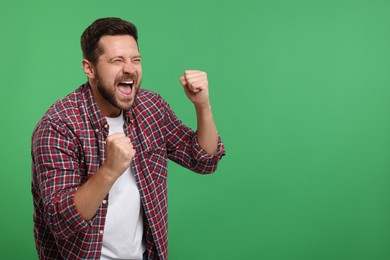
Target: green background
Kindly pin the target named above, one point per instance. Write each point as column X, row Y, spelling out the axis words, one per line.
column 300, row 93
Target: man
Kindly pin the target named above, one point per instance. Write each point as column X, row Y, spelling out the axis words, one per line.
column 99, row 173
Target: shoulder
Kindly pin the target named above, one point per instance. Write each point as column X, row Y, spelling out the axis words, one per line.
column 64, row 107
column 150, row 101
column 62, row 112
column 145, row 97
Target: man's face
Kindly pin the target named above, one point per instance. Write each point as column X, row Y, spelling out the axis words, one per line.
column 118, row 74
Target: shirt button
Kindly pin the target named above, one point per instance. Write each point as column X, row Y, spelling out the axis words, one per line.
column 96, row 130
column 104, row 201
column 101, row 232
column 105, row 126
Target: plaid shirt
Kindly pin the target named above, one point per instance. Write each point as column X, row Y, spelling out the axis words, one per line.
column 68, row 147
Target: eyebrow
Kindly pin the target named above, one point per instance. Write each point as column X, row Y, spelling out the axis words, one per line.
column 123, row 57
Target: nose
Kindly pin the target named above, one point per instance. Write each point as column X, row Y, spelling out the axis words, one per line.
column 128, row 67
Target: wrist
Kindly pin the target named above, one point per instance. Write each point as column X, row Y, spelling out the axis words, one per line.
column 203, row 106
column 108, row 174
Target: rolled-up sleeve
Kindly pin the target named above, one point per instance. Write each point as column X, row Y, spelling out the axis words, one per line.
column 56, row 177
column 183, row 146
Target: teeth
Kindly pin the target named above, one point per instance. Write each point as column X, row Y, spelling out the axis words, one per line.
column 128, row 82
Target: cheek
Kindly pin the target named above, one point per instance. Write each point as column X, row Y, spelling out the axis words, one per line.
column 139, row 72
column 108, row 73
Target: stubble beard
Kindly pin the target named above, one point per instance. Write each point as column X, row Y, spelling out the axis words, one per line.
column 109, row 94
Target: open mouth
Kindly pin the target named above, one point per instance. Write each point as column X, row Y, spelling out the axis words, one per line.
column 126, row 87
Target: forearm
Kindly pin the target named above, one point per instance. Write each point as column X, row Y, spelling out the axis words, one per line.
column 119, row 153
column 207, row 131
column 90, row 195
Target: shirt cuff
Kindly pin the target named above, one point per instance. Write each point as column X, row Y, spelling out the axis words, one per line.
column 73, row 220
column 201, row 154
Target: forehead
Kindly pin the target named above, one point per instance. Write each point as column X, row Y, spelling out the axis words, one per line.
column 118, row 45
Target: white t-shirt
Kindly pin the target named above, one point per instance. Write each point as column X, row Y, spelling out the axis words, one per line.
column 123, row 230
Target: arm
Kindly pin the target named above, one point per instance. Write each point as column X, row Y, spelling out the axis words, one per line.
column 119, row 152
column 69, row 201
column 198, row 151
column 56, row 175
column 195, row 85
column 207, row 131
column 91, row 194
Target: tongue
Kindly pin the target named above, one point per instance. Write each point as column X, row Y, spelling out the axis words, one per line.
column 124, row 89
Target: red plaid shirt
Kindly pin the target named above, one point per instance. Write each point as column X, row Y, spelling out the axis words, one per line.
column 68, row 147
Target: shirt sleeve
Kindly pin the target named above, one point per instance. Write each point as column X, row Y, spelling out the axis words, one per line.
column 183, row 146
column 56, row 176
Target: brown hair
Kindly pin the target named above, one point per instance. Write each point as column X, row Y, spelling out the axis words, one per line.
column 99, row 28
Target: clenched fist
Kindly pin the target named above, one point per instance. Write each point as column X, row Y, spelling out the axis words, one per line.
column 196, row 87
column 119, row 153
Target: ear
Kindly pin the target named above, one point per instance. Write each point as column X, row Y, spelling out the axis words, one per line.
column 88, row 68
